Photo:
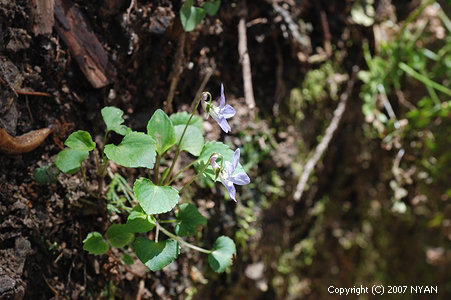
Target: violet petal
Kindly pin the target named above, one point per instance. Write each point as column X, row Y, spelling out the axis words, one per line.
column 228, row 111
column 236, row 159
column 224, row 125
column 222, row 100
column 231, row 189
column 240, row 179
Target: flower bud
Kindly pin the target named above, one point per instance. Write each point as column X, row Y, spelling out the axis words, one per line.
column 214, row 164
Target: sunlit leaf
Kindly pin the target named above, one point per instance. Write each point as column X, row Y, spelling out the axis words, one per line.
column 137, row 149
column 221, row 256
column 154, row 255
column 181, row 118
column 193, row 140
column 161, row 129
column 69, row 160
column 95, row 244
column 191, row 16
column 119, row 235
column 139, row 222
column 112, row 117
column 155, row 199
column 80, row 140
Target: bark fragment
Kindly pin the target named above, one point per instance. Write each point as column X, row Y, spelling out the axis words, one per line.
column 42, row 14
column 83, row 44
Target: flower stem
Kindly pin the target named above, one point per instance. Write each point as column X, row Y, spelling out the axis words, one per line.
column 184, row 243
column 168, row 221
column 157, row 169
column 177, row 152
column 181, row 171
column 85, row 181
column 157, row 231
column 197, row 175
column 101, row 171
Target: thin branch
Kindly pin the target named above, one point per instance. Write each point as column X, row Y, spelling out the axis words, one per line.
column 129, row 9
column 396, row 170
column 177, row 70
column 203, row 84
column 403, row 100
column 325, row 27
column 302, row 39
column 141, row 290
column 24, row 92
column 280, row 84
column 246, row 63
column 322, row 146
column 27, row 104
column 32, row 93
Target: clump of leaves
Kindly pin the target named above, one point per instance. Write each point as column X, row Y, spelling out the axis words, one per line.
column 154, row 198
column 191, row 15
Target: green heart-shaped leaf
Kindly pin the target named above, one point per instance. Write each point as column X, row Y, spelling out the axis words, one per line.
column 191, row 16
column 212, row 7
column 137, row 149
column 181, row 118
column 80, row 140
column 223, row 251
column 155, row 199
column 188, row 219
column 156, row 256
column 119, row 236
column 69, row 160
column 193, row 140
column 127, row 259
column 140, row 222
column 112, row 117
column 95, row 244
column 161, row 129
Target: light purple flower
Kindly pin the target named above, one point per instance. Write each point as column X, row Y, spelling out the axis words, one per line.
column 221, row 113
column 226, row 174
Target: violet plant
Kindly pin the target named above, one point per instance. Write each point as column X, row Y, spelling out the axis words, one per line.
column 156, row 200
column 221, row 113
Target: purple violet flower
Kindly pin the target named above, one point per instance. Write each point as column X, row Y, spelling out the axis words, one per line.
column 226, row 174
column 221, row 113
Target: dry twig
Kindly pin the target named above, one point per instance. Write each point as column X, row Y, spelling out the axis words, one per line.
column 23, row 92
column 202, row 85
column 302, row 39
column 246, row 64
column 177, row 70
column 280, row 84
column 322, row 146
column 140, row 290
column 132, row 5
column 325, row 26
